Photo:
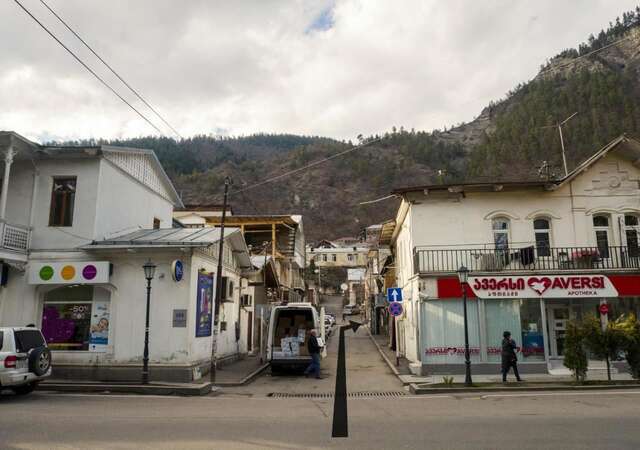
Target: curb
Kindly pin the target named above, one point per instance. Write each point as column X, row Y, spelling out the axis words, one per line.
column 186, row 390
column 246, row 380
column 389, row 363
column 417, row 390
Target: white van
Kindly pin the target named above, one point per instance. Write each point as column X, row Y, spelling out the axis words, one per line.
column 289, row 328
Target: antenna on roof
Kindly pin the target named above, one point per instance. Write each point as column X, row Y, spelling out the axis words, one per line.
column 559, row 126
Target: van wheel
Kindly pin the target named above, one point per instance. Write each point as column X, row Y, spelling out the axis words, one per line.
column 24, row 389
column 39, row 360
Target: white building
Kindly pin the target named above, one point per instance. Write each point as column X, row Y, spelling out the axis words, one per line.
column 539, row 252
column 77, row 223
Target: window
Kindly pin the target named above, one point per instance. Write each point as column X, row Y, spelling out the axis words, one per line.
column 542, row 231
column 223, row 326
column 156, row 223
column 631, row 231
column 334, row 257
column 66, row 318
column 500, row 227
column 63, row 196
column 230, row 292
column 28, row 339
column 350, row 257
column 601, row 228
column 324, row 257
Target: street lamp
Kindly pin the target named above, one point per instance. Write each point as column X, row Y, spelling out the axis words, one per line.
column 319, row 283
column 463, row 276
column 149, row 272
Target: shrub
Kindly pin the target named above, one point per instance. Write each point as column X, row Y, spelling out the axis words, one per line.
column 629, row 327
column 575, row 357
column 604, row 343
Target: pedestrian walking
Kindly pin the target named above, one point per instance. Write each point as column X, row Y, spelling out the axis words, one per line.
column 509, row 358
column 314, row 350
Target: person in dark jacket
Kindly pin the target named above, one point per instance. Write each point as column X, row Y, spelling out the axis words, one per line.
column 509, row 358
column 314, row 351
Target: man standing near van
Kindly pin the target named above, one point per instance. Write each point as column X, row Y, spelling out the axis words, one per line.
column 314, row 351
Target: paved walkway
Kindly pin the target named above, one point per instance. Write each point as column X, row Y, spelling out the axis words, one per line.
column 401, row 364
column 238, row 371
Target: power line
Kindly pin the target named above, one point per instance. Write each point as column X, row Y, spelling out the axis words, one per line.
column 593, row 52
column 308, row 166
column 111, row 68
column 87, row 67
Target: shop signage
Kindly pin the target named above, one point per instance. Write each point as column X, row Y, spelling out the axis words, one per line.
column 547, row 286
column 85, row 272
column 177, row 270
column 99, row 334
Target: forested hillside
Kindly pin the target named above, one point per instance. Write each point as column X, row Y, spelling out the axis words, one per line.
column 509, row 140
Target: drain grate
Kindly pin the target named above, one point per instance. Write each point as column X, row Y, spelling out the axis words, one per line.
column 364, row 394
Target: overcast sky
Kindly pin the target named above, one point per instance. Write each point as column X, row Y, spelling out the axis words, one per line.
column 334, row 68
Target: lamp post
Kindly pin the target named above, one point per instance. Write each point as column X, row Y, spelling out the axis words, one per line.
column 319, row 283
column 149, row 272
column 463, row 276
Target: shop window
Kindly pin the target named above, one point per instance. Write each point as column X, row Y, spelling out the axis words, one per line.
column 63, row 196
column 601, row 228
column 66, row 318
column 631, row 231
column 542, row 231
column 443, row 337
column 500, row 227
column 523, row 319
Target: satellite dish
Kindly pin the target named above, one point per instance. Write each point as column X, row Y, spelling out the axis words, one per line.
column 344, row 286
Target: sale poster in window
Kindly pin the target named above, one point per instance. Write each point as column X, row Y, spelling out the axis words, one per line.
column 204, row 306
column 99, row 335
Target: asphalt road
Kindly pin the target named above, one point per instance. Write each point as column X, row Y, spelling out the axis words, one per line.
column 250, row 417
column 595, row 420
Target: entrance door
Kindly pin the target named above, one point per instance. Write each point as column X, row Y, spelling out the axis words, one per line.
column 557, row 316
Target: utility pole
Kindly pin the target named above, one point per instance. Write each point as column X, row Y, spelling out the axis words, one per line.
column 559, row 126
column 218, row 298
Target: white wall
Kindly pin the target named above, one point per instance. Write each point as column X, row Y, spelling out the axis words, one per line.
column 125, row 204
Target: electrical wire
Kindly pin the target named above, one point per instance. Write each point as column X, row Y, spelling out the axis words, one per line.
column 111, row 68
column 87, row 67
column 308, row 166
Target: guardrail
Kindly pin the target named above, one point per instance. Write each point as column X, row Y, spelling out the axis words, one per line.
column 526, row 258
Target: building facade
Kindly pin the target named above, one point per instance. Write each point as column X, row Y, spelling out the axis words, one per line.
column 539, row 253
column 78, row 223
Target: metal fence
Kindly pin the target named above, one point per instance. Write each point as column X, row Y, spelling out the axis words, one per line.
column 525, row 258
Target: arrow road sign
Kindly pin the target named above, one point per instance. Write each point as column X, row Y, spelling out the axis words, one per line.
column 394, row 294
column 340, row 419
column 395, row 308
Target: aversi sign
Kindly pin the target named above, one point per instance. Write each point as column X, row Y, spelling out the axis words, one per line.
column 543, row 286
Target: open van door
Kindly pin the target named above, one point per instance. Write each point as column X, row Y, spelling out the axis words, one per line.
column 322, row 333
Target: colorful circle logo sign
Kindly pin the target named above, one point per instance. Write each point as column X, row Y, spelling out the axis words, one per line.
column 178, row 270
column 89, row 272
column 68, row 272
column 46, row 273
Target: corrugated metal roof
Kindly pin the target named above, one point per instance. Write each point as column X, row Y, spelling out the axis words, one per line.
column 165, row 237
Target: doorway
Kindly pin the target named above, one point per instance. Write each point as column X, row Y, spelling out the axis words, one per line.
column 557, row 318
column 249, row 331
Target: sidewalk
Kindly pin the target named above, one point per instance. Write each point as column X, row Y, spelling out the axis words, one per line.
column 239, row 372
column 382, row 342
column 153, row 388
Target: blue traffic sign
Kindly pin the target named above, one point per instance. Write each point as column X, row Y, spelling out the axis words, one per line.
column 395, row 308
column 394, row 294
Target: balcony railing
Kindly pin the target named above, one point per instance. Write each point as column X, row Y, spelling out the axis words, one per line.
column 14, row 237
column 524, row 258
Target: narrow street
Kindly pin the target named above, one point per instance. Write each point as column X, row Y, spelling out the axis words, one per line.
column 366, row 370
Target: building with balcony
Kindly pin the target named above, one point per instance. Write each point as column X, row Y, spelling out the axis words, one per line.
column 540, row 253
column 77, row 224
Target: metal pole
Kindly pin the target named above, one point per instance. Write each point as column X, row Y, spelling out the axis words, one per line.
column 218, row 297
column 467, row 360
column 145, row 355
column 564, row 157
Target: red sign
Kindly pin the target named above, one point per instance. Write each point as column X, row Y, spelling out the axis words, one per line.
column 604, row 309
column 548, row 286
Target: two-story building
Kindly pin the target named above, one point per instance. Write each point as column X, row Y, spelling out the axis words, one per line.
column 540, row 253
column 77, row 224
column 330, row 254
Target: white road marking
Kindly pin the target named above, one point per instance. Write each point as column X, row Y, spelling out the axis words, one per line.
column 563, row 394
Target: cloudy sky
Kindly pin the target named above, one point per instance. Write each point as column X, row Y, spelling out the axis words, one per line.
column 335, row 68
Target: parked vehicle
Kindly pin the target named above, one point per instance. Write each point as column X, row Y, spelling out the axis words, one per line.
column 328, row 326
column 350, row 310
column 289, row 328
column 25, row 359
column 331, row 318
